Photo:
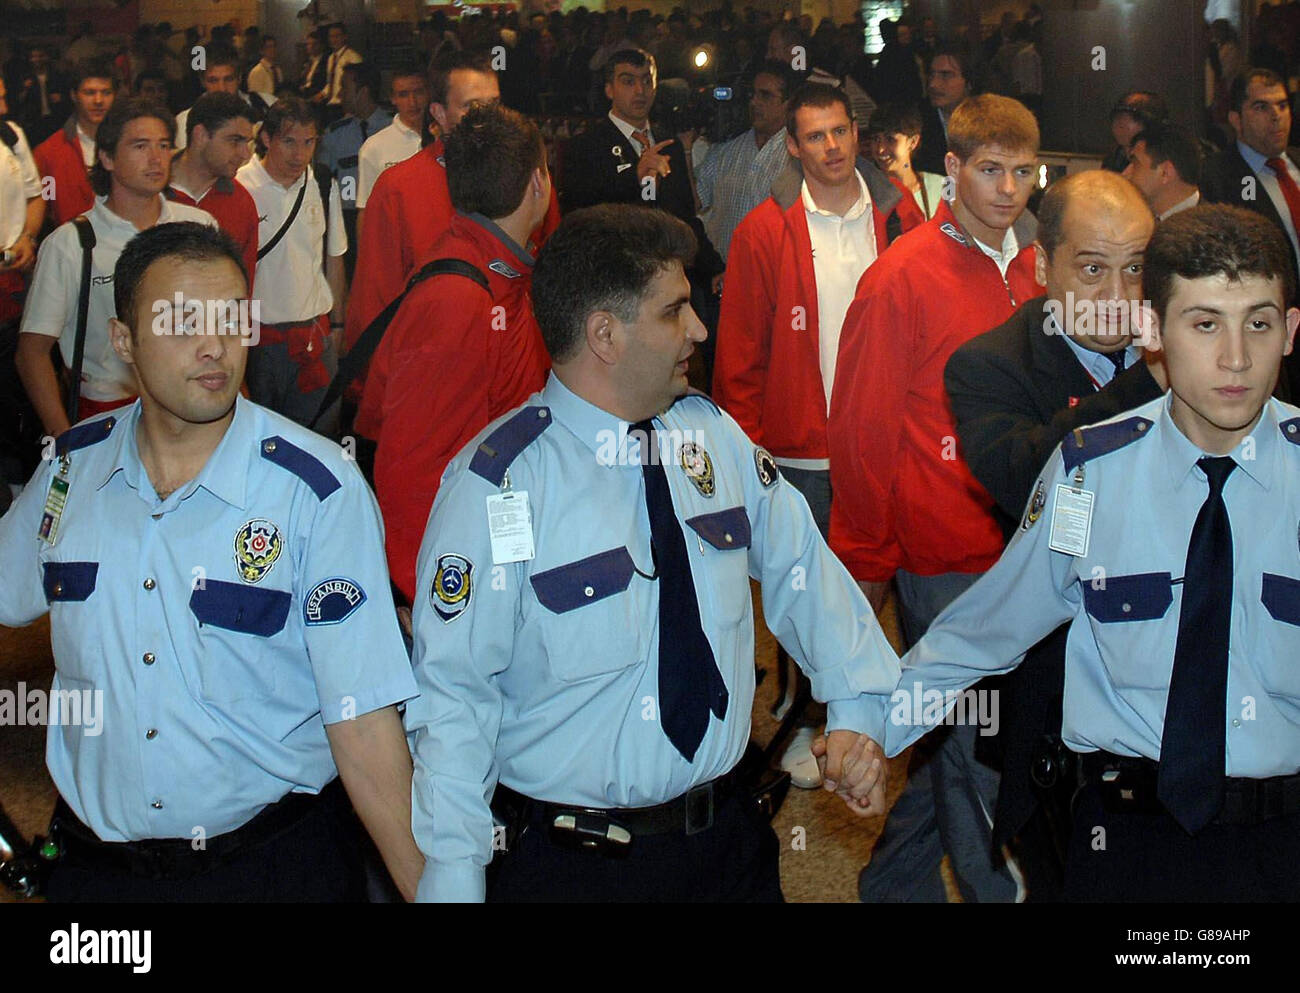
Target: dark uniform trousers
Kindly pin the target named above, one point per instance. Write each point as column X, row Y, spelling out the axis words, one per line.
column 1133, row 857
column 312, row 857
column 734, row 861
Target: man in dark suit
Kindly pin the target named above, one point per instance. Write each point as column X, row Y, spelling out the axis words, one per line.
column 948, row 83
column 1259, row 172
column 314, row 73
column 621, row 159
column 1065, row 360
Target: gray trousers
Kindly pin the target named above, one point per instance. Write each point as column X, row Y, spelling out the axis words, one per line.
column 947, row 805
column 272, row 379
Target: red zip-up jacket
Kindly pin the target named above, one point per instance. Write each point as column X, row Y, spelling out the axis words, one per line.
column 236, row 214
column 767, row 371
column 904, row 499
column 407, row 211
column 59, row 156
column 456, row 358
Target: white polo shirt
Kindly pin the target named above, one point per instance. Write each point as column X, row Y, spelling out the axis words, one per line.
column 386, row 147
column 19, row 182
column 842, row 249
column 52, row 300
column 292, row 275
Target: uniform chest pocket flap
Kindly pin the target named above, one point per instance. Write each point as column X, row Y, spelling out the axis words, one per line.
column 1280, row 596
column 69, row 581
column 577, row 584
column 723, row 529
column 1141, row 597
column 247, row 609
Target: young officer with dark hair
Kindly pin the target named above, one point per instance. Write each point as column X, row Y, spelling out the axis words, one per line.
column 1166, row 539
column 433, row 392
column 301, row 297
column 203, row 173
column 134, row 148
column 233, row 691
column 1164, row 162
column 68, row 155
column 589, row 666
column 1064, row 360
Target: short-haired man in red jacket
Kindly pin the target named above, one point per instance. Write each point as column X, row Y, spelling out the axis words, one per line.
column 907, row 507
column 67, row 155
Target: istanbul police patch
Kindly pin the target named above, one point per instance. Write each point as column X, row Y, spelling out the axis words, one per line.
column 1035, row 509
column 768, row 473
column 333, row 601
column 452, row 586
column 257, row 546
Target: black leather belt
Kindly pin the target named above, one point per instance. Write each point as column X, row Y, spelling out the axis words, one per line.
column 177, row 858
column 1129, row 784
column 612, row 830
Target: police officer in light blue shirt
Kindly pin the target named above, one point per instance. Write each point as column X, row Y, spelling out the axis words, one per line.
column 1170, row 537
column 584, row 633
column 216, row 583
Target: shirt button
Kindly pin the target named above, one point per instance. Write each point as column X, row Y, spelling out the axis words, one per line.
column 157, row 805
column 542, row 413
column 58, row 589
column 149, row 583
column 588, row 592
column 1236, row 723
column 1126, row 607
column 269, row 447
column 148, row 658
column 727, row 538
column 151, row 734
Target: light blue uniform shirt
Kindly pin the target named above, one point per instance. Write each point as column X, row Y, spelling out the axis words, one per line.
column 544, row 674
column 1124, row 596
column 1096, row 365
column 339, row 150
column 233, row 619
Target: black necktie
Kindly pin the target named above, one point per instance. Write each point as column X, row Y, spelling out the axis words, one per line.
column 1117, row 359
column 1190, row 783
column 690, row 684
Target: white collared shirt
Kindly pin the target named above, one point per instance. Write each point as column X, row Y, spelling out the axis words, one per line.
column 87, row 147
column 1010, row 249
column 1182, row 205
column 627, row 130
column 345, row 56
column 19, row 182
column 386, row 147
column 293, row 273
column 843, row 248
column 52, row 301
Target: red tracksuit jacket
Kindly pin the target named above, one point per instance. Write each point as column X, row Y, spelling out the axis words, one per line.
column 903, row 496
column 59, row 156
column 236, row 214
column 454, row 358
column 767, row 371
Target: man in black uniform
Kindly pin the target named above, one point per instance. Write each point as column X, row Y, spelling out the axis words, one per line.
column 1064, row 360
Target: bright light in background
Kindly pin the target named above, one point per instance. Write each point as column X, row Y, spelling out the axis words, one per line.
column 1042, row 177
column 873, row 12
column 701, row 58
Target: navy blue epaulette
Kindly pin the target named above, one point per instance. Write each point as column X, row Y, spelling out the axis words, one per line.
column 302, row 464
column 89, row 433
column 1291, row 430
column 502, row 446
column 1085, row 444
column 693, row 393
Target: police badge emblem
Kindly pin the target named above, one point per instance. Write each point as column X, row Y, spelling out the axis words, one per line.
column 1035, row 510
column 257, row 547
column 765, row 465
column 698, row 467
column 452, row 587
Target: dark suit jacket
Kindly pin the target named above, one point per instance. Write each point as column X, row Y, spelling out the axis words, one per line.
column 934, row 143
column 311, row 86
column 1011, row 391
column 599, row 166
column 1222, row 181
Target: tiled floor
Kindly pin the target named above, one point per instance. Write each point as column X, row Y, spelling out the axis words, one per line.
column 823, row 844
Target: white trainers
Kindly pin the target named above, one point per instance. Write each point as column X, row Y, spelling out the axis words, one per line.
column 800, row 762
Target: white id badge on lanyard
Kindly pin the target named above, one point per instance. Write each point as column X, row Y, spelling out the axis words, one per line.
column 510, row 526
column 1071, row 520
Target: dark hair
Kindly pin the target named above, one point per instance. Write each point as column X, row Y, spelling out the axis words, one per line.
column 405, row 68
column 490, row 155
column 122, row 113
column 814, row 95
column 635, row 57
column 896, row 118
column 1167, row 143
column 449, row 62
column 213, row 110
column 218, row 55
column 284, row 112
column 1100, row 189
column 186, row 240
column 145, row 76
column 788, row 78
column 602, row 258
column 1241, row 84
column 265, row 39
column 336, row 24
column 365, row 76
column 1143, row 106
column 958, row 55
column 89, row 69
column 1213, row 240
